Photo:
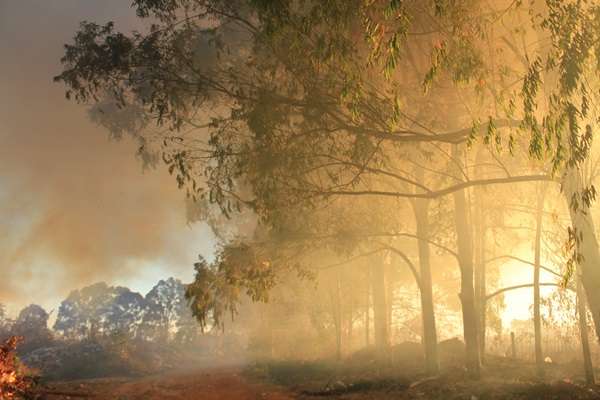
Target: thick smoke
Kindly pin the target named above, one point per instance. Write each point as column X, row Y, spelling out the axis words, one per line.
column 74, row 207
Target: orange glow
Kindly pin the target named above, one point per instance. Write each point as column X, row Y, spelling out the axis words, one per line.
column 12, row 380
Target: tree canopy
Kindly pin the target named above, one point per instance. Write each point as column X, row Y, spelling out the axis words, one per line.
column 303, row 112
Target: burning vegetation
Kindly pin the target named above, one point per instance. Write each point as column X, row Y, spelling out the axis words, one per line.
column 15, row 382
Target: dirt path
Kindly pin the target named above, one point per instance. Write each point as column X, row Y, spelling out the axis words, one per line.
column 218, row 384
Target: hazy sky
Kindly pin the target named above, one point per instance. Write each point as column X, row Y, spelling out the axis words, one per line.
column 75, row 208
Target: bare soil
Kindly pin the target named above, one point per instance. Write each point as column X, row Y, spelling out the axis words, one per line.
column 208, row 384
column 503, row 379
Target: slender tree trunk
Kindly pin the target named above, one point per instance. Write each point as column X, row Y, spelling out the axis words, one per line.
column 513, row 346
column 479, row 259
column 585, row 344
column 427, row 307
column 467, row 290
column 537, row 319
column 350, row 328
column 368, row 309
column 389, row 301
column 480, row 278
column 337, row 315
column 583, row 223
column 268, row 323
column 481, row 294
column 380, row 309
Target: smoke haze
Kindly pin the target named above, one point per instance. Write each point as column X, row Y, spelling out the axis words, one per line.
column 75, row 208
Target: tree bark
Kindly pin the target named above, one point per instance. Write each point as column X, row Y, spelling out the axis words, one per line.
column 480, row 272
column 481, row 291
column 513, row 346
column 389, row 300
column 537, row 319
column 585, row 344
column 350, row 326
column 479, row 259
column 337, row 315
column 268, row 323
column 427, row 307
column 467, row 290
column 582, row 221
column 380, row 309
column 368, row 309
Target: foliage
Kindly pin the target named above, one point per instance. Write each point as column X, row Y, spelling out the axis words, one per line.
column 215, row 291
column 14, row 382
column 311, row 110
column 32, row 325
column 100, row 310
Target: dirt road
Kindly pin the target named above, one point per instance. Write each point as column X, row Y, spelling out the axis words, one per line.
column 217, row 384
column 228, row 383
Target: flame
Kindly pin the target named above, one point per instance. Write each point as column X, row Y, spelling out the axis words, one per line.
column 13, row 381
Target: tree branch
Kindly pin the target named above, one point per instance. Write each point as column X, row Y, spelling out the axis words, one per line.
column 526, row 285
column 436, row 193
column 524, row 262
column 409, row 263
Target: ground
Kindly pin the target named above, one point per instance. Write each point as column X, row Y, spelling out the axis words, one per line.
column 207, row 384
column 358, row 377
column 304, row 381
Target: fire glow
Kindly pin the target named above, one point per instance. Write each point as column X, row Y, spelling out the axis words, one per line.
column 13, row 381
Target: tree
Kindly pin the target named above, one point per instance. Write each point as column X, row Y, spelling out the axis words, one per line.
column 421, row 209
column 467, row 290
column 537, row 319
column 583, row 330
column 32, row 325
column 5, row 324
column 290, row 109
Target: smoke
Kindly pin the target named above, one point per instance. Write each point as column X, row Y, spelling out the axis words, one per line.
column 75, row 208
